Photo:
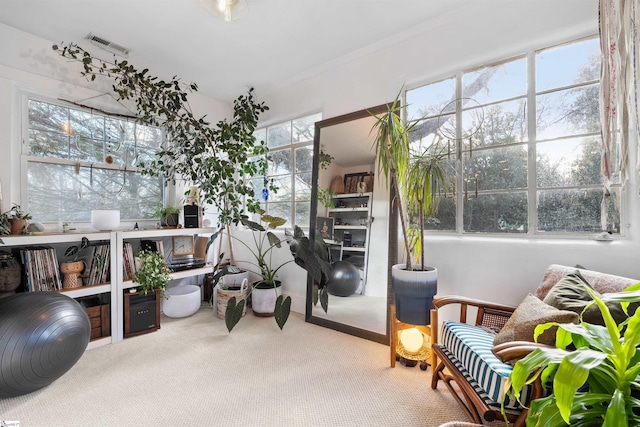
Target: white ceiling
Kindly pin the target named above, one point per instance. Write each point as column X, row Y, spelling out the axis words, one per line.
column 278, row 42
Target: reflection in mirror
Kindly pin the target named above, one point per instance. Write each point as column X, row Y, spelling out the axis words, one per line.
column 350, row 210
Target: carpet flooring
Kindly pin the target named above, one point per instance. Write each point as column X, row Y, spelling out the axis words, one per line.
column 192, row 372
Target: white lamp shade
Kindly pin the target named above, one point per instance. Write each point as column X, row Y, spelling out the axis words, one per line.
column 412, row 340
column 105, row 220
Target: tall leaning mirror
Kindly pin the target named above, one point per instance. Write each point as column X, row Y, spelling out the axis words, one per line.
column 350, row 211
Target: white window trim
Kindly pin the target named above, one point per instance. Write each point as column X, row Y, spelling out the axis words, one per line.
column 531, row 143
column 24, row 96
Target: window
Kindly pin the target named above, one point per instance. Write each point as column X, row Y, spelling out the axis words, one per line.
column 78, row 160
column 523, row 147
column 290, row 160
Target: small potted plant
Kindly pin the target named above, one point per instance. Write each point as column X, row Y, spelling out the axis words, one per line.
column 169, row 216
column 153, row 274
column 73, row 269
column 18, row 219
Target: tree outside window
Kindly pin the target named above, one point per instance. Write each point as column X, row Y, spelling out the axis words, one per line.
column 524, row 151
column 79, row 160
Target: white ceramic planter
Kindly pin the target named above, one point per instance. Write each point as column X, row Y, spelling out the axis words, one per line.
column 183, row 301
column 105, row 220
column 263, row 301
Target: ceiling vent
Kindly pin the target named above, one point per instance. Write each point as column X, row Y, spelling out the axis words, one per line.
column 112, row 47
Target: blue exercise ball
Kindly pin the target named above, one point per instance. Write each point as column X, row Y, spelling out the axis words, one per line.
column 42, row 335
column 344, row 279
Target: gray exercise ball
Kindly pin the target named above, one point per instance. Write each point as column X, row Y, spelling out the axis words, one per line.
column 42, row 335
column 344, row 279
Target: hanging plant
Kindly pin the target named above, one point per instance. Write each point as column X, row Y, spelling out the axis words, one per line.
column 218, row 159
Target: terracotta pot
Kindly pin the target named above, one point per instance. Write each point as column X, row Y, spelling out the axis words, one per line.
column 17, row 226
column 71, row 272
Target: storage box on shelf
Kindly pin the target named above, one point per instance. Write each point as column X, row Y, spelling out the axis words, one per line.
column 141, row 313
column 98, row 308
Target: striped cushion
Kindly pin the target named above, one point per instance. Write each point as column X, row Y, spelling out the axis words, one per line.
column 470, row 348
column 491, row 404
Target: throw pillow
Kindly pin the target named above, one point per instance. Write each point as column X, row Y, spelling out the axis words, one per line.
column 530, row 313
column 570, row 294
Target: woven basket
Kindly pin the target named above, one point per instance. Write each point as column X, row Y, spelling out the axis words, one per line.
column 337, row 185
column 225, row 295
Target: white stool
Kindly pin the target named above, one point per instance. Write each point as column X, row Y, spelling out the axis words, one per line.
column 183, row 301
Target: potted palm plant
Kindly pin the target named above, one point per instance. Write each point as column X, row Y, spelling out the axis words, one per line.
column 417, row 176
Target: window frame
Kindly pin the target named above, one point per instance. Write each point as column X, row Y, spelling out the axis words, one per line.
column 291, row 148
column 532, row 190
column 25, row 97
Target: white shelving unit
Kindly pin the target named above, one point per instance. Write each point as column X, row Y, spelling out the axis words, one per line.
column 352, row 215
column 61, row 241
column 117, row 285
column 138, row 235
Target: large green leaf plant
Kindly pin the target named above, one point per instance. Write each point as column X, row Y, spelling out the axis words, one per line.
column 265, row 242
column 594, row 370
column 219, row 158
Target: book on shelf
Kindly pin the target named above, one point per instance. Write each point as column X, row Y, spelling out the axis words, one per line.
column 129, row 265
column 41, row 269
column 99, row 267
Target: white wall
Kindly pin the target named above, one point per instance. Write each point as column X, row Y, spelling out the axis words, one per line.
column 498, row 269
column 29, row 65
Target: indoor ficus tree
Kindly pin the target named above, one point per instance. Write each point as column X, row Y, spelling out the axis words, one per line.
column 218, row 159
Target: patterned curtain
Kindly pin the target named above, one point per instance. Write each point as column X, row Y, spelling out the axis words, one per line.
column 619, row 44
column 619, row 97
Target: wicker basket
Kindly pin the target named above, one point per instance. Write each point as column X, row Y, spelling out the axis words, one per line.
column 337, row 185
column 225, row 295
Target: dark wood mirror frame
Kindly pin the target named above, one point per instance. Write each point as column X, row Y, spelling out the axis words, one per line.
column 392, row 235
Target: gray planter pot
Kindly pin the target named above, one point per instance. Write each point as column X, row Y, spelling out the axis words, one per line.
column 170, row 221
column 414, row 292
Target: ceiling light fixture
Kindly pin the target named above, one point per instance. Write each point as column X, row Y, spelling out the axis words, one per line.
column 227, row 10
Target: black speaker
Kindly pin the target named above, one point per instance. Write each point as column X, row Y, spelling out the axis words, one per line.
column 192, row 216
column 142, row 312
